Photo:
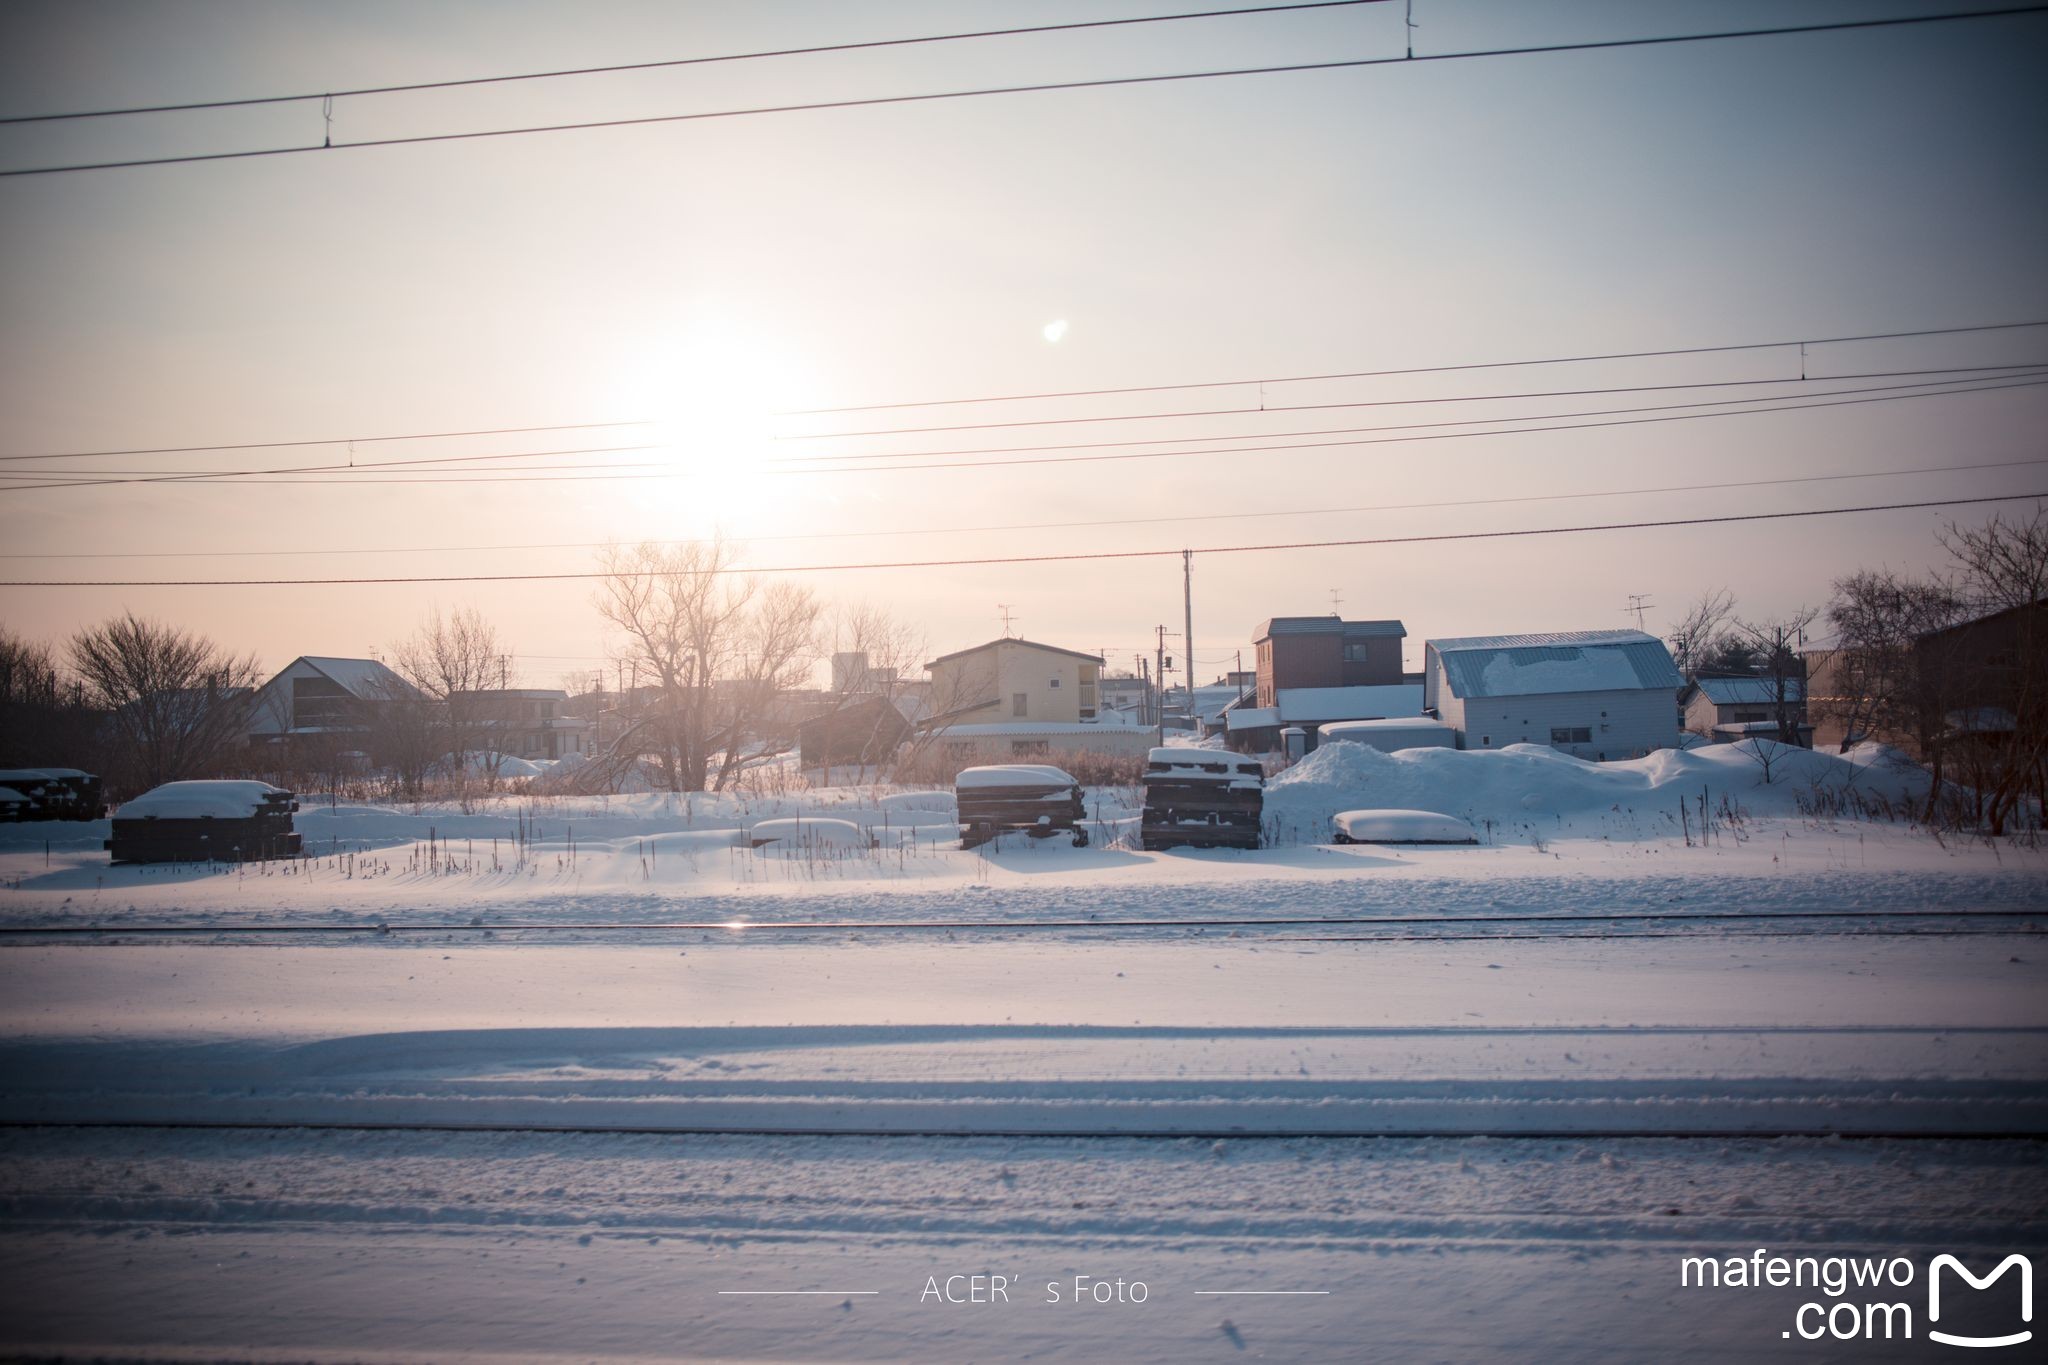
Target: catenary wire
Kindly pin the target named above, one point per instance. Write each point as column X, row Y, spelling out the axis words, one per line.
column 98, row 478
column 1074, row 557
column 320, row 441
column 1042, row 87
column 622, row 67
column 426, row 479
column 899, row 532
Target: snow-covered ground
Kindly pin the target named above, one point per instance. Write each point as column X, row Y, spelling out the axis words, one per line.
column 588, row 1078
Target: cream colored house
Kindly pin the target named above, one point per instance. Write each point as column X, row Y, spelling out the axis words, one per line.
column 1016, row 680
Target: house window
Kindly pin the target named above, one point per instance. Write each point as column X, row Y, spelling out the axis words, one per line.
column 960, row 749
column 1029, row 748
column 1571, row 734
column 1053, row 683
column 1020, row 703
column 1355, row 652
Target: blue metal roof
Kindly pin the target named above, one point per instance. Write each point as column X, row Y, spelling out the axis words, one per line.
column 1560, row 661
column 1749, row 691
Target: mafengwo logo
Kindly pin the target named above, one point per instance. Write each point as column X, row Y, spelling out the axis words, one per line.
column 2026, row 1269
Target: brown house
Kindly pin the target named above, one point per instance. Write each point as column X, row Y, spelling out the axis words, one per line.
column 1977, row 678
column 1324, row 651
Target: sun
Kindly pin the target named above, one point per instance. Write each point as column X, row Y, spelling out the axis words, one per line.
column 710, row 395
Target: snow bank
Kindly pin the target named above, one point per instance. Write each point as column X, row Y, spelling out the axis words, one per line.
column 1402, row 827
column 1015, row 775
column 941, row 802
column 809, row 832
column 1508, row 786
column 199, row 800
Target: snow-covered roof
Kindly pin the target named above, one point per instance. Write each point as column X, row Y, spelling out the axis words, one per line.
column 365, row 678
column 1749, row 727
column 1314, row 705
column 1385, row 724
column 1748, row 691
column 1028, row 728
column 9, row 796
column 1014, row 775
column 221, row 800
column 1562, row 661
column 1328, row 625
column 1251, row 718
column 1017, row 640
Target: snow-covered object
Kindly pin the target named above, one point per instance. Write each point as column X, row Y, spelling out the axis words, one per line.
column 1401, row 827
column 483, row 763
column 808, row 832
column 220, row 800
column 1217, row 767
column 1393, row 734
column 1509, row 785
column 1014, row 775
column 912, row 801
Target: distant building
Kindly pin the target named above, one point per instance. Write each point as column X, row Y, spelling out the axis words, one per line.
column 852, row 673
column 523, row 722
column 1013, row 679
column 1595, row 694
column 317, row 695
column 866, row 732
column 1739, row 708
column 1325, row 651
column 1256, row 729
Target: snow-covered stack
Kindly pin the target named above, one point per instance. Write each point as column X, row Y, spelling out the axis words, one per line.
column 205, row 822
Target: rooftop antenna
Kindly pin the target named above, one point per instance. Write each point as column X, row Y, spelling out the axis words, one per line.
column 1638, row 602
column 1336, row 603
column 1004, row 608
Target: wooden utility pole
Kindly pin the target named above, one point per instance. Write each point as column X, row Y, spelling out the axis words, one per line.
column 1160, row 687
column 1187, row 606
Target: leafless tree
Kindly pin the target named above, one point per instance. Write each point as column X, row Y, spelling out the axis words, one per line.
column 454, row 663
column 1696, row 635
column 2003, row 662
column 1776, row 641
column 1875, row 685
column 176, row 703
column 718, row 645
column 884, row 657
column 44, row 718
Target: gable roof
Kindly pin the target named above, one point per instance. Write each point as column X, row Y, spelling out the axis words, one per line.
column 1017, row 640
column 1748, row 691
column 365, row 678
column 1329, row 625
column 1559, row 661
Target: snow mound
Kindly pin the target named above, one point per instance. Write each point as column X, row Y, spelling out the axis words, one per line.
column 1402, row 827
column 483, row 763
column 1508, row 786
column 808, row 832
column 932, row 801
column 1015, row 775
column 218, row 800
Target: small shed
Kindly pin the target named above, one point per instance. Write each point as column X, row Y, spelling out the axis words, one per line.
column 1393, row 733
column 1594, row 694
column 865, row 732
column 182, row 822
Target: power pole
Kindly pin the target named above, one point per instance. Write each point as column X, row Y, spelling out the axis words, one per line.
column 1160, row 704
column 1187, row 606
column 1144, row 667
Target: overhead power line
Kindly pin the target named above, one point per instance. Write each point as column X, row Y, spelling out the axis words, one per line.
column 1041, row 87
column 1077, row 557
column 318, row 441
column 901, row 531
column 1415, row 370
column 1395, row 403
column 102, row 478
column 665, row 471
column 617, row 68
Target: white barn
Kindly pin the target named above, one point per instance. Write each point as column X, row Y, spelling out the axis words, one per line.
column 1596, row 694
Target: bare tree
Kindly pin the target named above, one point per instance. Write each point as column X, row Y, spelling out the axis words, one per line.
column 1776, row 642
column 1695, row 636
column 454, row 663
column 1875, row 684
column 44, row 718
column 2001, row 662
column 718, row 646
column 877, row 663
column 177, row 703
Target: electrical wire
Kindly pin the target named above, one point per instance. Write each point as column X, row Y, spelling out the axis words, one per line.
column 1075, row 557
column 320, row 441
column 97, row 478
column 897, row 533
column 620, row 67
column 1042, row 87
column 1415, row 370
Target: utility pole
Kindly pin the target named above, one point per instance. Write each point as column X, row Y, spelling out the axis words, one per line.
column 1144, row 667
column 1187, row 606
column 1160, row 704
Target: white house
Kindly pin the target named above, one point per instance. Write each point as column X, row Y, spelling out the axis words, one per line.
column 1737, row 708
column 1596, row 694
column 1012, row 679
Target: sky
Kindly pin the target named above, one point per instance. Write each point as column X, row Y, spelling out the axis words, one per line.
column 711, row 284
